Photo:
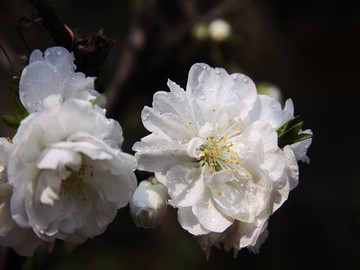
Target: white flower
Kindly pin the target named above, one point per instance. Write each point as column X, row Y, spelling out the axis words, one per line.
column 24, row 241
column 216, row 144
column 148, row 204
column 219, row 30
column 51, row 74
column 68, row 173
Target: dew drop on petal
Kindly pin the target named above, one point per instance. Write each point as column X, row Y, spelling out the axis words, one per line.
column 202, row 97
column 145, row 116
column 217, row 71
column 245, row 79
column 211, row 89
column 234, row 76
column 213, row 219
column 58, row 52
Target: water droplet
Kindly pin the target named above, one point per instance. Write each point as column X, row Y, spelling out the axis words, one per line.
column 234, row 76
column 211, row 89
column 202, row 97
column 145, row 116
column 47, row 53
column 217, row 71
column 58, row 52
column 188, row 190
column 203, row 90
column 74, row 67
column 245, row 79
column 213, row 219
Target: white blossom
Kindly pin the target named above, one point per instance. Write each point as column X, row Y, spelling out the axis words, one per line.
column 54, row 73
column 148, row 204
column 216, row 145
column 24, row 241
column 68, row 173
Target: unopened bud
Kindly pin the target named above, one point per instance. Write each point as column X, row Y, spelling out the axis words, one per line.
column 219, row 30
column 148, row 204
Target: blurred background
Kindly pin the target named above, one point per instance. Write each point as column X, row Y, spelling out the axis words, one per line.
column 308, row 49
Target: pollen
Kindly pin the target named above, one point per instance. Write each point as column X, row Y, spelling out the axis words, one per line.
column 217, row 153
column 74, row 184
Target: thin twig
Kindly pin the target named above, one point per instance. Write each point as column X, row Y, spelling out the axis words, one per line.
column 138, row 41
column 51, row 21
column 8, row 59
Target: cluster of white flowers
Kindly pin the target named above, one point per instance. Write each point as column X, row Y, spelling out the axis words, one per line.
column 215, row 148
column 63, row 175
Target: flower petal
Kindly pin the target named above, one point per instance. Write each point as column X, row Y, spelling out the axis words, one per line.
column 209, row 216
column 159, row 156
column 185, row 185
column 190, row 222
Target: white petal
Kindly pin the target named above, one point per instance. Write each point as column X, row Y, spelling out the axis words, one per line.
column 213, row 88
column 193, row 147
column 185, row 185
column 161, row 178
column 245, row 235
column 289, row 106
column 209, row 216
column 269, row 110
column 190, row 222
column 60, row 159
column 300, row 148
column 167, row 125
column 240, row 195
column 292, row 166
column 160, row 157
column 36, row 83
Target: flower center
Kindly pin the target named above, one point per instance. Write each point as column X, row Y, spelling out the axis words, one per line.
column 218, row 154
column 74, row 183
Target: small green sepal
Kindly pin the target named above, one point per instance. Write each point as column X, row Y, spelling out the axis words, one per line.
column 11, row 121
column 19, row 110
column 289, row 133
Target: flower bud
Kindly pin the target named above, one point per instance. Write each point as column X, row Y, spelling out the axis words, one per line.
column 219, row 30
column 148, row 204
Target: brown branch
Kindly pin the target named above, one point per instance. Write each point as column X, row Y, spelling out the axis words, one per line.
column 134, row 46
column 139, row 40
column 51, row 21
column 90, row 52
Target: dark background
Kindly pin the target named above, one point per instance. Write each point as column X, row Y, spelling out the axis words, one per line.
column 309, row 49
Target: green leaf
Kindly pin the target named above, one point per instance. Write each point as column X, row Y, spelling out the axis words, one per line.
column 289, row 133
column 11, row 121
column 19, row 109
column 20, row 112
column 14, row 86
